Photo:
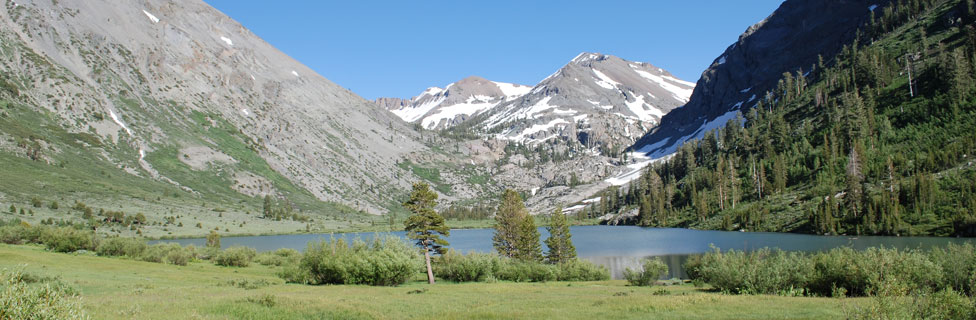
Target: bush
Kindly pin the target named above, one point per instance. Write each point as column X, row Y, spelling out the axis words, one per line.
column 179, row 257
column 581, row 270
column 171, row 253
column 650, row 271
column 523, row 271
column 235, row 257
column 27, row 296
column 13, row 234
column 945, row 304
column 121, row 247
column 67, row 239
column 476, row 267
column 866, row 272
column 958, row 265
column 837, row 272
column 456, row 267
column 384, row 261
column 283, row 256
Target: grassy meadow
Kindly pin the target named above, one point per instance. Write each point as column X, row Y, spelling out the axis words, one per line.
column 119, row 288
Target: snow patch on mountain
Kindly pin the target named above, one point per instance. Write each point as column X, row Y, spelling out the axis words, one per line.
column 115, row 118
column 605, row 81
column 151, row 16
column 669, row 84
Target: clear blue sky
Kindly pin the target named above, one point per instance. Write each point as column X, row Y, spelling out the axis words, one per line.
column 399, row 48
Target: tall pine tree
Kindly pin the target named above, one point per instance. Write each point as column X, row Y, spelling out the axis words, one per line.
column 560, row 244
column 425, row 226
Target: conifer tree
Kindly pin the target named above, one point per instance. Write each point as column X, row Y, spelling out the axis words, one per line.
column 560, row 244
column 515, row 233
column 530, row 249
column 425, row 226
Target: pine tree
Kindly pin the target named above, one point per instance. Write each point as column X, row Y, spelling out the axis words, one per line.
column 514, row 229
column 855, row 175
column 507, row 217
column 268, row 208
column 530, row 249
column 425, row 226
column 560, row 244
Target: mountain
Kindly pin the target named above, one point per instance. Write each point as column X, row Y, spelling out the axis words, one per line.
column 790, row 40
column 596, row 100
column 133, row 104
column 440, row 108
column 876, row 139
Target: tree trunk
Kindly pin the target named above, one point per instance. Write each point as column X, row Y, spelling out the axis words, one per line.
column 430, row 272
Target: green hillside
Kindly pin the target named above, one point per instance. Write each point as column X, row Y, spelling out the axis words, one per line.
column 849, row 147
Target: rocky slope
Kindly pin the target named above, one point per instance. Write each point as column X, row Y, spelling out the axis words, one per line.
column 178, row 94
column 789, row 40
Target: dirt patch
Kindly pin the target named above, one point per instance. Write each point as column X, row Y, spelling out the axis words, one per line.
column 252, row 185
column 200, row 157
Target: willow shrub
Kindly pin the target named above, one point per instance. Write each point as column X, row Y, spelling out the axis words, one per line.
column 839, row 271
column 171, row 253
column 27, row 296
column 761, row 272
column 958, row 265
column 283, row 256
column 476, row 267
column 473, row 267
column 649, row 272
column 383, row 261
column 118, row 246
column 235, row 257
column 66, row 239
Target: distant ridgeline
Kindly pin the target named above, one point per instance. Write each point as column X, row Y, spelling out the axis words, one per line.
column 879, row 139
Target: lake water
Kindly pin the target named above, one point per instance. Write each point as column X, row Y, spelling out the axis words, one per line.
column 619, row 247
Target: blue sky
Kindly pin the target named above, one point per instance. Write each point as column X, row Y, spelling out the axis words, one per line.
column 399, row 48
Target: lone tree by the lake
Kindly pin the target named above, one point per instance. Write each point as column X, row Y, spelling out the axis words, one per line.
column 560, row 244
column 515, row 233
column 425, row 226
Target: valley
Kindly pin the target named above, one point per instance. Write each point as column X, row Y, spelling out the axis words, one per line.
column 135, row 136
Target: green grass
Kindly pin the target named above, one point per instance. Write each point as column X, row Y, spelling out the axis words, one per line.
column 116, row 288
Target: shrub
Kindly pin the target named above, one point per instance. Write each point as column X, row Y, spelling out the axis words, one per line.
column 36, row 203
column 958, row 265
column 581, row 270
column 121, row 247
column 278, row 257
column 456, row 267
column 294, row 274
column 837, row 272
column 235, row 257
column 527, row 271
column 171, row 253
column 179, row 257
column 27, row 296
column 475, row 267
column 944, row 304
column 761, row 272
column 865, row 272
column 12, row 234
column 67, row 239
column 384, row 261
column 649, row 271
